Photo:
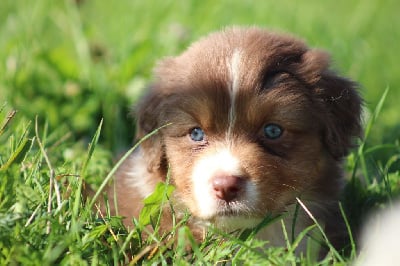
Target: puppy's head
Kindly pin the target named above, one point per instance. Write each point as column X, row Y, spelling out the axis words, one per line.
column 257, row 119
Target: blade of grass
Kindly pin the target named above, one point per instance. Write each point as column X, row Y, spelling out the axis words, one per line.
column 295, row 215
column 360, row 153
column 376, row 113
column 78, row 191
column 3, row 107
column 297, row 240
column 119, row 163
column 386, row 172
column 92, row 147
column 193, row 244
column 53, row 181
column 17, row 156
column 331, row 248
column 10, row 116
column 352, row 243
column 127, row 241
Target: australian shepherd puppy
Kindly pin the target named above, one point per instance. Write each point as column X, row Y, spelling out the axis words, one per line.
column 256, row 120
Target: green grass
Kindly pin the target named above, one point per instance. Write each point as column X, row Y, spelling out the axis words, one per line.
column 71, row 73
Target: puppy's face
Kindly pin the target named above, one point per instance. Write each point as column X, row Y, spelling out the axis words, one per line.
column 257, row 120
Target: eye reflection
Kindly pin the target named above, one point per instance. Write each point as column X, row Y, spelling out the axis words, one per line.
column 197, row 134
column 272, row 131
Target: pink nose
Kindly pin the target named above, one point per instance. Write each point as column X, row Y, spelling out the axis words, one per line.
column 227, row 187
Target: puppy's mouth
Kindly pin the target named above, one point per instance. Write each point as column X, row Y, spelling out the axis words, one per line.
column 236, row 208
column 229, row 212
column 234, row 215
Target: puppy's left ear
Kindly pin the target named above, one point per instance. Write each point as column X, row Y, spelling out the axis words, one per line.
column 339, row 100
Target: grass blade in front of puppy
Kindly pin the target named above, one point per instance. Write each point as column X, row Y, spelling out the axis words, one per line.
column 287, row 257
column 353, row 252
column 295, row 243
column 153, row 205
column 151, row 214
column 361, row 149
column 113, row 170
column 331, row 247
column 240, row 241
column 119, row 163
column 250, row 233
column 186, row 235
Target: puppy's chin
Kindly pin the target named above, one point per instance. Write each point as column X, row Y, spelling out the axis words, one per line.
column 231, row 223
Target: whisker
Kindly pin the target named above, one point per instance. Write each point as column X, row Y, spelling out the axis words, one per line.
column 290, row 186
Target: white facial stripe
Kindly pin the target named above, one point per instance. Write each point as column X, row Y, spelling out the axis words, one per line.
column 205, row 169
column 234, row 73
column 203, row 172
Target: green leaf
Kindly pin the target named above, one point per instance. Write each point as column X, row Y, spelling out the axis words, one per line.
column 154, row 202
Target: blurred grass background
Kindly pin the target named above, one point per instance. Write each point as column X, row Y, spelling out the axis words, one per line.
column 72, row 63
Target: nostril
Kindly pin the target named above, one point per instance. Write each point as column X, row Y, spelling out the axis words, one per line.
column 227, row 187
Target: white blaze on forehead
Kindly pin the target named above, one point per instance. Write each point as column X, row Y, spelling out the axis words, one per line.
column 233, row 85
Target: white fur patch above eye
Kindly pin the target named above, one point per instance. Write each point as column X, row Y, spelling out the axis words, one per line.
column 205, row 169
column 234, row 74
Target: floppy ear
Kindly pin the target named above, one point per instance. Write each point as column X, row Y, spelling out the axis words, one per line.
column 148, row 117
column 343, row 105
column 339, row 101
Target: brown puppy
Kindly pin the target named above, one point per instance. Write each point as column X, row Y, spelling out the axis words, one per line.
column 257, row 119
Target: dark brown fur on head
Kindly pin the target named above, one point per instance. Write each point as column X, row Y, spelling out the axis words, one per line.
column 335, row 99
column 231, row 84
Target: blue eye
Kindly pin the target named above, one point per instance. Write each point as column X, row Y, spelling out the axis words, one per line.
column 197, row 134
column 272, row 131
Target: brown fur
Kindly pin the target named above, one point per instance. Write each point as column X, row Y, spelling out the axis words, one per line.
column 281, row 81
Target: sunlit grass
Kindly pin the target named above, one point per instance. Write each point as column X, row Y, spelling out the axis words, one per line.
column 69, row 75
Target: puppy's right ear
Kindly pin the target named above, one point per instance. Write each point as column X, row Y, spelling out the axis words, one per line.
column 148, row 117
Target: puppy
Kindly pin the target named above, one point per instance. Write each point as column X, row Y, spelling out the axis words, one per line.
column 256, row 120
